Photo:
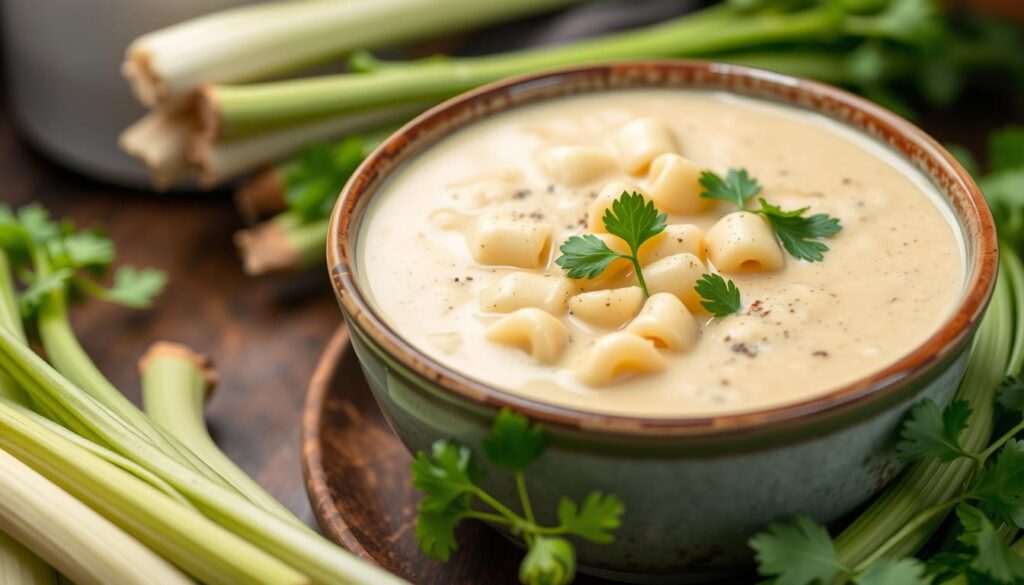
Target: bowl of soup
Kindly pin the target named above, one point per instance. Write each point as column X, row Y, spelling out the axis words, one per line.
column 446, row 251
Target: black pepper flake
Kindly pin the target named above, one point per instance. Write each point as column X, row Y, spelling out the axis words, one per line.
column 551, row 188
column 820, row 353
column 745, row 349
column 521, row 193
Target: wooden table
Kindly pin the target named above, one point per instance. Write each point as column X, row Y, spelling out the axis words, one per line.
column 265, row 334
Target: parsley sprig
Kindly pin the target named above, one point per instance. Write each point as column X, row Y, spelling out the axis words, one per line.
column 719, row 296
column 449, row 480
column 803, row 553
column 631, row 219
column 797, row 232
column 56, row 258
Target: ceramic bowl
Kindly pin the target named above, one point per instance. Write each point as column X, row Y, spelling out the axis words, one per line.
column 697, row 488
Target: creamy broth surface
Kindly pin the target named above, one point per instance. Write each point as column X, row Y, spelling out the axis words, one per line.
column 889, row 280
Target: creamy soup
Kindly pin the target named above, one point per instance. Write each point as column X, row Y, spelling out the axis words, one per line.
column 459, row 255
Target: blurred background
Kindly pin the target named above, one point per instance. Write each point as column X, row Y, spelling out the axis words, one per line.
column 211, row 138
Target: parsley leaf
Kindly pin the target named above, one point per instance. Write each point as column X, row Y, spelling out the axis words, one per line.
column 585, row 256
column 600, row 516
column 435, row 529
column 929, row 432
column 719, row 296
column 1006, row 149
column 313, row 180
column 993, row 557
column 30, row 298
column 513, row 442
column 550, row 561
column 135, row 288
column 1011, row 393
column 795, row 231
column 447, row 478
column 737, row 186
column 36, row 221
column 89, row 250
column 1001, row 485
column 633, row 220
column 894, row 572
column 797, row 554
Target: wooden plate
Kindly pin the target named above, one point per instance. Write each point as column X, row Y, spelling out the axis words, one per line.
column 357, row 476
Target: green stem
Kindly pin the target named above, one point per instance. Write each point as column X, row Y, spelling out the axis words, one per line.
column 298, row 547
column 285, row 243
column 174, row 388
column 923, row 519
column 930, row 483
column 255, row 108
column 639, row 273
column 180, row 534
column 495, row 518
column 524, row 497
column 1014, row 270
column 496, row 505
column 71, row 360
column 999, row 443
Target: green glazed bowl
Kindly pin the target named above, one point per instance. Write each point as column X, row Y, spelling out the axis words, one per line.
column 695, row 489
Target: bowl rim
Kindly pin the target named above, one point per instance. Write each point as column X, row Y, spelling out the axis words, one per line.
column 925, row 153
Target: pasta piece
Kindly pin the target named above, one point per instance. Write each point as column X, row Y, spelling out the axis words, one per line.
column 666, row 323
column 518, row 290
column 502, row 240
column 604, row 200
column 743, row 242
column 616, row 355
column 641, row 141
column 576, row 165
column 676, row 239
column 677, row 274
column 674, row 185
column 608, row 308
column 533, row 331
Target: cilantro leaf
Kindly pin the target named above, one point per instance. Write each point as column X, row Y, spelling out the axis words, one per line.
column 435, row 529
column 894, row 572
column 1001, row 485
column 135, row 288
column 448, row 477
column 797, row 554
column 795, row 231
column 1006, row 149
column 585, row 256
column 633, row 220
column 1011, row 393
column 929, row 432
column 993, row 557
column 719, row 296
column 600, row 516
column 513, row 442
column 737, row 186
column 550, row 561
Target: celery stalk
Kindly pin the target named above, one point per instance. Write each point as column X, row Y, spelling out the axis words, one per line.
column 175, row 384
column 283, row 243
column 180, row 534
column 76, row 540
column 263, row 40
column 10, row 317
column 297, row 546
column 20, row 566
column 246, row 109
column 925, row 484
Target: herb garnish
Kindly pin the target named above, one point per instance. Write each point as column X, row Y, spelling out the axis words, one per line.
column 449, row 480
column 68, row 260
column 805, row 554
column 719, row 296
column 631, row 219
column 797, row 233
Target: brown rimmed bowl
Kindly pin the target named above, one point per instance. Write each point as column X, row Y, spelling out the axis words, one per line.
column 695, row 488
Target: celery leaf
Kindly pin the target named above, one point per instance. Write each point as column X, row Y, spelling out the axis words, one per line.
column 600, row 515
column 992, row 556
column 894, row 572
column 135, row 288
column 513, row 442
column 932, row 433
column 1001, row 485
column 797, row 554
